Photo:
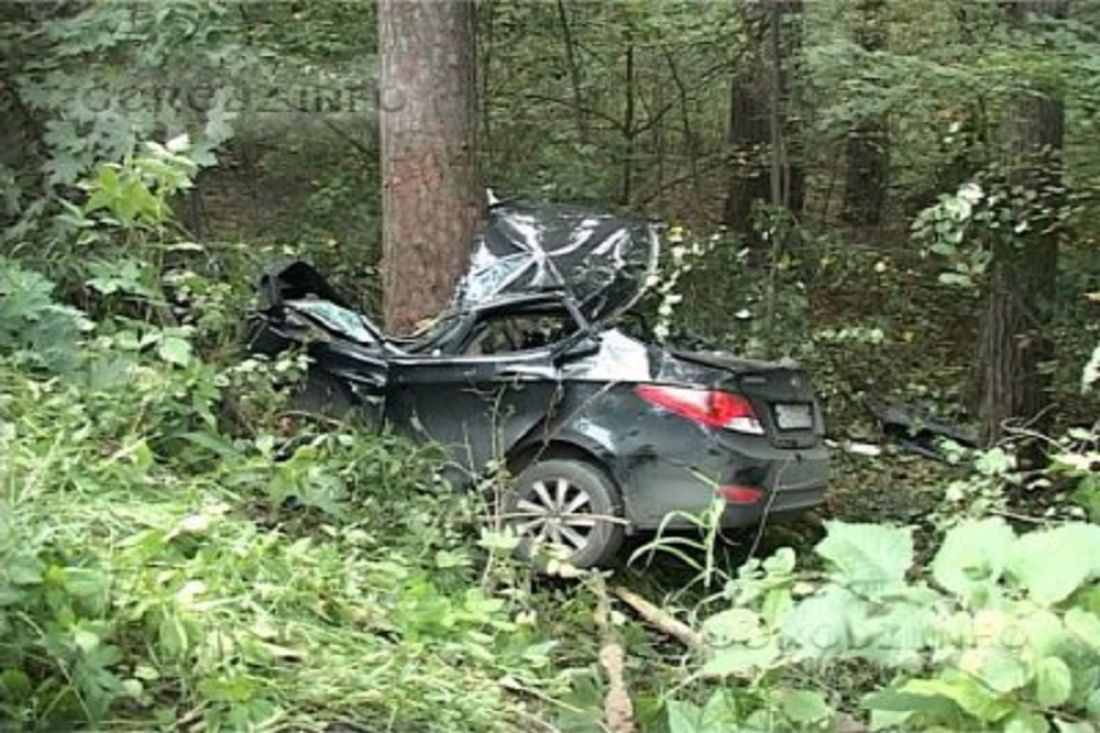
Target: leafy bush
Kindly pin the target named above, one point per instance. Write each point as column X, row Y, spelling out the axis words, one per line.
column 34, row 329
column 1001, row 631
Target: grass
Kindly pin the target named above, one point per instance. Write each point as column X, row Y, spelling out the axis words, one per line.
column 144, row 589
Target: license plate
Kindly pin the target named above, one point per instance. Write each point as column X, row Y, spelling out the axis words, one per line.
column 794, row 417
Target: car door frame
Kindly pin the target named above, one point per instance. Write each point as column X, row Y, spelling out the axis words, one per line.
column 480, row 406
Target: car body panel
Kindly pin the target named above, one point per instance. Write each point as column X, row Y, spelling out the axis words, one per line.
column 672, row 464
column 527, row 360
column 477, row 409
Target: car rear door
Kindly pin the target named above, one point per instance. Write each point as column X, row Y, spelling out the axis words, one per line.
column 479, row 402
column 476, row 407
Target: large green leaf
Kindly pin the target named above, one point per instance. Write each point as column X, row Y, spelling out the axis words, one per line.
column 719, row 714
column 732, row 625
column 965, row 691
column 1000, row 669
column 891, row 708
column 823, row 625
column 175, row 350
column 972, row 554
column 1052, row 564
column 869, row 558
column 1053, row 682
column 1027, row 723
column 1085, row 626
column 889, row 719
column 897, row 633
column 684, row 717
column 804, row 706
column 1045, row 633
column 742, row 658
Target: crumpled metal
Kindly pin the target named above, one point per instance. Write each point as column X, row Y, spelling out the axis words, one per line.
column 602, row 261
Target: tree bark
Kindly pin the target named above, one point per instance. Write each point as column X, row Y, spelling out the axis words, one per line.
column 1022, row 273
column 868, row 153
column 751, row 108
column 432, row 197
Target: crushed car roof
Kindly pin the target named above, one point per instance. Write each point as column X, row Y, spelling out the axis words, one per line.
column 602, row 261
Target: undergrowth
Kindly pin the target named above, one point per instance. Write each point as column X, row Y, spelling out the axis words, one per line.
column 155, row 568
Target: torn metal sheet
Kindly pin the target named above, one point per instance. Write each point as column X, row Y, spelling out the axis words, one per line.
column 527, row 368
column 918, row 430
column 619, row 358
column 601, row 261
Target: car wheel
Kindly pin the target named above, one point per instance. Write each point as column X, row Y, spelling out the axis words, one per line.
column 568, row 508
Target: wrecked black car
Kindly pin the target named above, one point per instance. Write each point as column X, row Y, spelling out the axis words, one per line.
column 605, row 434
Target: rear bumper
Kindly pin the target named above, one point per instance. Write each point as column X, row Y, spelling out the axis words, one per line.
column 793, row 481
column 786, row 502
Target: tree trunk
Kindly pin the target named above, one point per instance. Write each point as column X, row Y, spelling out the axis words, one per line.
column 432, row 198
column 868, row 164
column 574, row 72
column 486, row 52
column 1022, row 273
column 691, row 142
column 628, row 127
column 751, row 107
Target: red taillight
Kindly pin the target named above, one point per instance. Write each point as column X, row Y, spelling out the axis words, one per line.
column 707, row 407
column 741, row 494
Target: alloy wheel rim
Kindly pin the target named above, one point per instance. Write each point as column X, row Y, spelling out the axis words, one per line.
column 556, row 512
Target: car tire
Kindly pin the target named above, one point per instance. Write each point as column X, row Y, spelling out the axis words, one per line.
column 558, row 501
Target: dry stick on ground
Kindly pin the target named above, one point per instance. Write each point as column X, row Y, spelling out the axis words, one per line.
column 618, row 711
column 663, row 621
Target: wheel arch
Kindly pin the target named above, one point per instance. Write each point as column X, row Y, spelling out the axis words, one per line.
column 573, row 447
column 525, row 455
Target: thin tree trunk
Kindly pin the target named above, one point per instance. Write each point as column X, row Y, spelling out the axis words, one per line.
column 868, row 152
column 432, row 198
column 750, row 128
column 778, row 185
column 628, row 127
column 486, row 54
column 777, row 179
column 1022, row 273
column 574, row 72
column 691, row 144
column 659, row 141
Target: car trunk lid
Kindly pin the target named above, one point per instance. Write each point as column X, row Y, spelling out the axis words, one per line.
column 780, row 393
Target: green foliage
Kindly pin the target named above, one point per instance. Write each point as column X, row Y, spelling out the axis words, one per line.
column 153, row 566
column 34, row 329
column 1005, row 639
column 966, row 228
column 91, row 72
column 137, row 191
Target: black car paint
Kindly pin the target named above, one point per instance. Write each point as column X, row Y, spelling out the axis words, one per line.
column 574, row 394
column 665, row 463
column 525, row 405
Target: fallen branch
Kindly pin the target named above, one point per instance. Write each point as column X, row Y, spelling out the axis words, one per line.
column 663, row 621
column 618, row 710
